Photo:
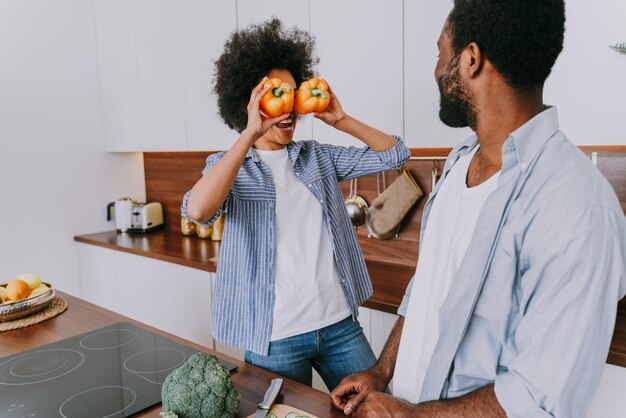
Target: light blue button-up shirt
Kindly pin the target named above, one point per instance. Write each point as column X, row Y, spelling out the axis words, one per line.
column 243, row 298
column 532, row 307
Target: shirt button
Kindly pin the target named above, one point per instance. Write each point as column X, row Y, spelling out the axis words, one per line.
column 298, row 174
column 310, row 185
column 321, row 200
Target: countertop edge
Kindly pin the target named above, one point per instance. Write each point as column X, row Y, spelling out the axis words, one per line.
column 616, row 355
column 200, row 265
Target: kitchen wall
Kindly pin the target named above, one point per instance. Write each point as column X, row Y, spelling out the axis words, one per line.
column 587, row 83
column 156, row 56
column 55, row 178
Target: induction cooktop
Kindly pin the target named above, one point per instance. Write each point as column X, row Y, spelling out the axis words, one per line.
column 112, row 372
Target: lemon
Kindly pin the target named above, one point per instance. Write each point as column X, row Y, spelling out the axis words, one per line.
column 33, row 280
column 3, row 294
column 41, row 289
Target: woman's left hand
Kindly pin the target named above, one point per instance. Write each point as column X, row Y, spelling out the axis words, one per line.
column 333, row 112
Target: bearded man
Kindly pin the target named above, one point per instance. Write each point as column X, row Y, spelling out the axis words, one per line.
column 523, row 244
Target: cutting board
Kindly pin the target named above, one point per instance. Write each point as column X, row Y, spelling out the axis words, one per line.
column 281, row 411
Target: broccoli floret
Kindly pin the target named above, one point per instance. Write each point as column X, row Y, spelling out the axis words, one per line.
column 200, row 388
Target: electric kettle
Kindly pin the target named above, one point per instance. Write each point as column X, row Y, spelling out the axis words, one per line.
column 122, row 209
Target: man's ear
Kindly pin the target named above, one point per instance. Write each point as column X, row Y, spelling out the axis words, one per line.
column 473, row 58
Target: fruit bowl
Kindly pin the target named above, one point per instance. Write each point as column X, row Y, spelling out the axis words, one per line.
column 18, row 309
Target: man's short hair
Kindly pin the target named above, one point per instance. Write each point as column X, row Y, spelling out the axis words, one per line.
column 521, row 38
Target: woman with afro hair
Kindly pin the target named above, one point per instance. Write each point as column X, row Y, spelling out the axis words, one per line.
column 291, row 275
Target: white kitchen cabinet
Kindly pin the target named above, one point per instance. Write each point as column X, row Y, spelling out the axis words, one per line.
column 156, row 66
column 160, row 74
column 610, row 399
column 117, row 61
column 381, row 325
column 156, row 69
column 377, row 327
column 167, row 296
column 207, row 26
column 362, row 62
column 141, row 74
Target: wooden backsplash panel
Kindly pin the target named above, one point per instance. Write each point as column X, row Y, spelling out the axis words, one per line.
column 391, row 262
column 169, row 175
column 612, row 163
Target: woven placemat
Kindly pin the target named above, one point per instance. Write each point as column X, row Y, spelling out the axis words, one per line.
column 55, row 307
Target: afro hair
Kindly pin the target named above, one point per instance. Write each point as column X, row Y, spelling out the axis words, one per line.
column 249, row 54
column 521, row 38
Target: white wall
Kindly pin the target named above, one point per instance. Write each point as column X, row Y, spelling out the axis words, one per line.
column 55, row 178
column 423, row 21
column 587, row 84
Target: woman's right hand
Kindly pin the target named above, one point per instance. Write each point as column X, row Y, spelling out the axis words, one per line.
column 258, row 122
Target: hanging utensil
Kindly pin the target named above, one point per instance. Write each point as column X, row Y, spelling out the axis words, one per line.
column 355, row 205
column 434, row 175
column 370, row 215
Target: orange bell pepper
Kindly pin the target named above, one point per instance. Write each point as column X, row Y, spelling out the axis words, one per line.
column 278, row 99
column 312, row 96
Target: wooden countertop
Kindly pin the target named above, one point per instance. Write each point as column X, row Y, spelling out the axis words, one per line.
column 82, row 317
column 161, row 244
column 202, row 254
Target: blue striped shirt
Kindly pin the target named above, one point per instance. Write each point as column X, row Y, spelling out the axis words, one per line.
column 243, row 299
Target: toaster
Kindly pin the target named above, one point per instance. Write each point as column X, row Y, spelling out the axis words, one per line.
column 145, row 217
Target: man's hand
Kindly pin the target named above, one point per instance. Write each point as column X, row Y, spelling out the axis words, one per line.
column 354, row 389
column 381, row 405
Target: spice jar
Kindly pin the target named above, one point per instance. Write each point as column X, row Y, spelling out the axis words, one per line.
column 218, row 228
column 204, row 231
column 186, row 226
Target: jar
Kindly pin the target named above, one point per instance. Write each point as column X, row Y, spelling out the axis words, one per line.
column 218, row 228
column 204, row 231
column 186, row 226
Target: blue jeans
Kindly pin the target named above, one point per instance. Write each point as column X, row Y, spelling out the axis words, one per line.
column 335, row 351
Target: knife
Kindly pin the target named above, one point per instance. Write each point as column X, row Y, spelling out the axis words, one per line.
column 270, row 396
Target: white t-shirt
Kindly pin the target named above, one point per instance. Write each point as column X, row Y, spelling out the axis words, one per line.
column 308, row 292
column 447, row 236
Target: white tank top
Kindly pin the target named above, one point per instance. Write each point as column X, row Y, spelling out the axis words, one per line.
column 308, row 292
column 449, row 230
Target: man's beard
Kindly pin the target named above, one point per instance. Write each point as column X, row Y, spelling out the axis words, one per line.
column 455, row 107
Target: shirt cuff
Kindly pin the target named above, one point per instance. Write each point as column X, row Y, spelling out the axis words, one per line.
column 183, row 207
column 183, row 212
column 515, row 399
column 396, row 156
column 404, row 306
